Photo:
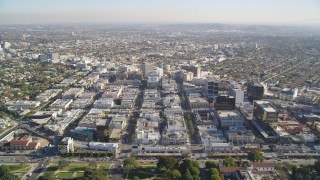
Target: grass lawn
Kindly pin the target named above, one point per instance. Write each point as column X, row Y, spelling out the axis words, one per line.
column 64, row 175
column 20, row 168
column 3, row 130
column 78, row 175
column 139, row 175
column 145, row 168
column 75, row 167
column 52, row 167
column 104, row 166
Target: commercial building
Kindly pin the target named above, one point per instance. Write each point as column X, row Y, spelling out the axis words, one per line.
column 104, row 103
column 99, row 146
column 159, row 149
column 212, row 87
column 61, row 104
column 188, row 76
column 61, row 123
column 198, row 102
column 83, row 134
column 147, row 136
column 72, row 93
column 218, row 147
column 229, row 118
column 236, row 91
column 255, row 91
column 224, row 102
column 210, row 134
column 175, row 131
column 22, row 104
column 240, row 135
column 196, row 70
column 48, row 94
column 81, row 103
column 262, row 110
column 146, row 68
column 288, row 94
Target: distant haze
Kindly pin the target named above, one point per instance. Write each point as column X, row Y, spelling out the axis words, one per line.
column 160, row 11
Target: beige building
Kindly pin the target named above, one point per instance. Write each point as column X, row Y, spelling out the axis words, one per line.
column 198, row 102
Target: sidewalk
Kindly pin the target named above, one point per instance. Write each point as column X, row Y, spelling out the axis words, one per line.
column 33, row 166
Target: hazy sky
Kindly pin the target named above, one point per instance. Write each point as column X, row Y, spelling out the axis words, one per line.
column 160, row 11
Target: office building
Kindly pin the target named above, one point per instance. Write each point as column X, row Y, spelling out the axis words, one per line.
column 288, row 94
column 53, row 56
column 146, row 68
column 212, row 87
column 236, row 91
column 6, row 45
column 229, row 118
column 224, row 102
column 263, row 111
column 196, row 70
column 198, row 102
column 240, row 135
column 43, row 57
column 72, row 93
column 99, row 146
column 255, row 91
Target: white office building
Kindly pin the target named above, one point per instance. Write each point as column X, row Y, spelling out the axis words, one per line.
column 236, row 91
column 229, row 118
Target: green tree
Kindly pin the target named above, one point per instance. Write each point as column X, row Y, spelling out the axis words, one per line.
column 130, row 163
column 173, row 174
column 283, row 175
column 5, row 173
column 255, row 156
column 194, row 171
column 229, row 162
column 187, row 175
column 298, row 177
column 168, row 163
column 136, row 178
column 215, row 177
column 94, row 173
column 307, row 177
column 185, row 165
column 316, row 166
column 93, row 164
column 196, row 177
column 214, row 171
column 211, row 164
column 62, row 164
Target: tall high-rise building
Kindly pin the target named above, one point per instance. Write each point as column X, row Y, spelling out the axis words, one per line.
column 262, row 110
column 215, row 46
column 236, row 91
column 212, row 87
column 255, row 91
column 0, row 38
column 53, row 56
column 196, row 70
column 146, row 68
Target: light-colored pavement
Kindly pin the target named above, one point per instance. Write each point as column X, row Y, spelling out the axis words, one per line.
column 33, row 167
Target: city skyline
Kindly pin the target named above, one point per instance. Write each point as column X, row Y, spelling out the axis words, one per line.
column 289, row 12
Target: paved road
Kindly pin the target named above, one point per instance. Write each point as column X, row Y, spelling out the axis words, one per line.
column 41, row 167
column 116, row 170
